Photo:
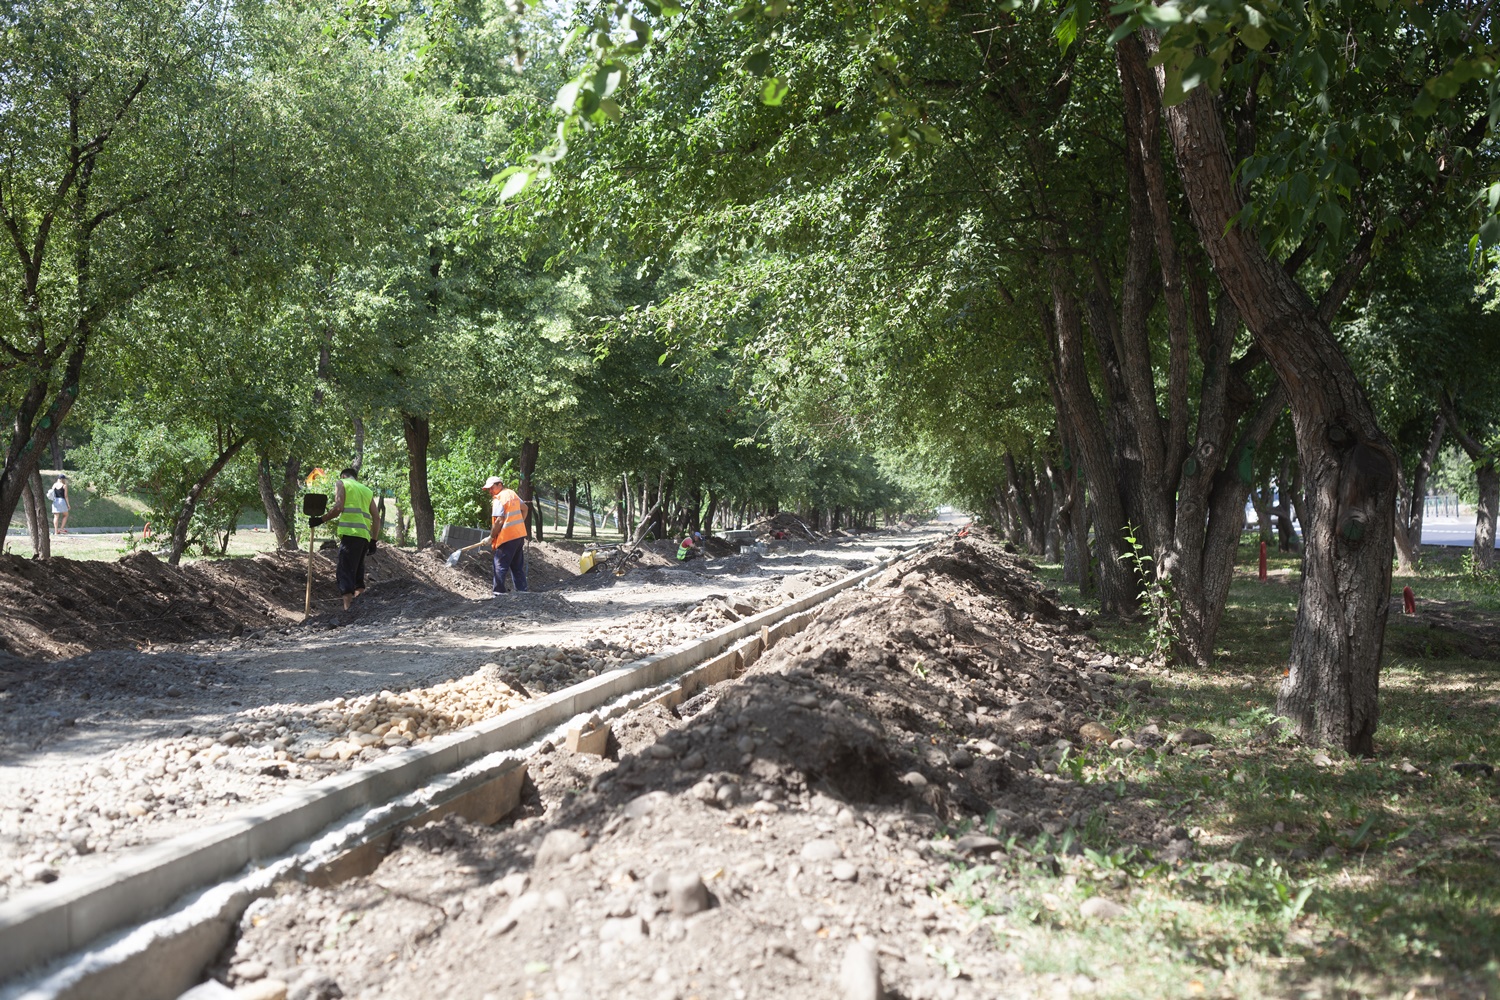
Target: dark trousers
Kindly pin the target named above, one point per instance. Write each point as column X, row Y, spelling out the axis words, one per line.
column 510, row 556
column 351, row 571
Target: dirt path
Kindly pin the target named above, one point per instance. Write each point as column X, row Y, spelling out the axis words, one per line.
column 786, row 834
column 116, row 748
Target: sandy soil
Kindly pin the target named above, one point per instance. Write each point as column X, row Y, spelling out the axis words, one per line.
column 781, row 835
column 171, row 697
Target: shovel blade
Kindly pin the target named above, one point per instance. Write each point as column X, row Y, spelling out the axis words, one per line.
column 453, row 559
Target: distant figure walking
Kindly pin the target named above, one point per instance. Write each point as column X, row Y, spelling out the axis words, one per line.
column 507, row 535
column 59, row 494
column 358, row 528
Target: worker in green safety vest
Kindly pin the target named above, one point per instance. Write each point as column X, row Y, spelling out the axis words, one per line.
column 358, row 517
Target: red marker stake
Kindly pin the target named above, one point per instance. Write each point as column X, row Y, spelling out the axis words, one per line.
column 1262, row 562
column 1409, row 599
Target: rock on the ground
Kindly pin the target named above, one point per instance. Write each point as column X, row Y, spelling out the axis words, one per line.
column 1094, row 732
column 822, row 850
column 559, row 846
column 686, row 893
column 859, row 974
column 211, row 990
column 264, row 989
column 1099, row 908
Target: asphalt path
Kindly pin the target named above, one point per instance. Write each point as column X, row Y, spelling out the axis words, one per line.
column 1452, row 531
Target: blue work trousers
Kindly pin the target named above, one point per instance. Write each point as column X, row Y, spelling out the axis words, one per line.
column 510, row 556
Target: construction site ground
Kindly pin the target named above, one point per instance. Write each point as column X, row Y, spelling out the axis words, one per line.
column 140, row 700
column 942, row 787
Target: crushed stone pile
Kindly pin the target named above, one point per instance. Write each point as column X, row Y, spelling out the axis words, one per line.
column 788, row 833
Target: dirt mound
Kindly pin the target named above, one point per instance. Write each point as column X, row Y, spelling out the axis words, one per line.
column 787, row 525
column 746, row 838
column 66, row 607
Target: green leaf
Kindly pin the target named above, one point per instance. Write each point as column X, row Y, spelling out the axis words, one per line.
column 773, row 92
column 1255, row 37
column 572, row 39
column 515, row 183
column 1489, row 233
column 758, row 62
column 610, row 109
column 567, row 97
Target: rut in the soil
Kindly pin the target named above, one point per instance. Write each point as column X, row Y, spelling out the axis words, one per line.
column 737, row 846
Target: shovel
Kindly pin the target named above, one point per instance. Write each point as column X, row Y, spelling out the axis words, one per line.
column 313, row 505
column 458, row 553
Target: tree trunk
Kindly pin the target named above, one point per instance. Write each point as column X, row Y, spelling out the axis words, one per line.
column 572, row 506
column 622, row 507
column 358, row 461
column 1286, row 534
column 55, row 446
column 35, row 422
column 1118, row 587
column 588, row 504
column 1411, row 506
column 281, row 527
column 1488, row 479
column 1346, row 462
column 185, row 516
column 37, row 512
column 418, row 433
column 526, row 468
column 713, row 507
column 1484, row 514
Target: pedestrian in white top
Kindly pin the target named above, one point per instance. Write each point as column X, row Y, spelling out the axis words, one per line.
column 59, row 494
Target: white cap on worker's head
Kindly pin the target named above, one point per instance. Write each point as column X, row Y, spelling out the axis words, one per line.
column 493, row 481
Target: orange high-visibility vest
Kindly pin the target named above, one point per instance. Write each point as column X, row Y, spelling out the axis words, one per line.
column 512, row 522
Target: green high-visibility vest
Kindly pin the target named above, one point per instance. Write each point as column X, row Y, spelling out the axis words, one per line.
column 355, row 519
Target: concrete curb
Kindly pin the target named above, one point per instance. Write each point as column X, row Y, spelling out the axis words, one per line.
column 61, row 918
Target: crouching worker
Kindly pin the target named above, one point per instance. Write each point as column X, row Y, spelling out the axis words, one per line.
column 358, row 527
column 689, row 547
column 507, row 535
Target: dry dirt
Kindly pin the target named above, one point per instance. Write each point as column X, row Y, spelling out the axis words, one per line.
column 785, row 834
column 136, row 727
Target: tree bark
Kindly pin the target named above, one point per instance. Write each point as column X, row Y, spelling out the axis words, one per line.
column 358, row 461
column 1347, row 464
column 1488, row 479
column 526, row 468
column 185, row 516
column 1118, row 587
column 281, row 527
column 1411, row 507
column 37, row 512
column 713, row 507
column 572, row 506
column 588, row 504
column 418, row 433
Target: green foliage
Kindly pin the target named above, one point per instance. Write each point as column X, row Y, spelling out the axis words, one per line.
column 1162, row 611
column 457, row 477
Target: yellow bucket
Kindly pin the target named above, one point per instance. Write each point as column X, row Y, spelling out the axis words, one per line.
column 588, row 561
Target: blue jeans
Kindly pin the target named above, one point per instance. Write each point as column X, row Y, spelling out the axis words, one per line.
column 510, row 556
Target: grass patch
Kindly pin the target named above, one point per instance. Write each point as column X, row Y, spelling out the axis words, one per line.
column 1310, row 874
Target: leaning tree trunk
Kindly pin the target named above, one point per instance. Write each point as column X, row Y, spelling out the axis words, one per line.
column 281, row 527
column 418, row 433
column 1348, row 467
column 572, row 506
column 190, row 505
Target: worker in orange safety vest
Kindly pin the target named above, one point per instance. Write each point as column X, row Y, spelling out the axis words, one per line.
column 507, row 535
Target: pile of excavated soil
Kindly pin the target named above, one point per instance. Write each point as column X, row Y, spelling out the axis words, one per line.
column 789, row 525
column 785, row 834
column 65, row 607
